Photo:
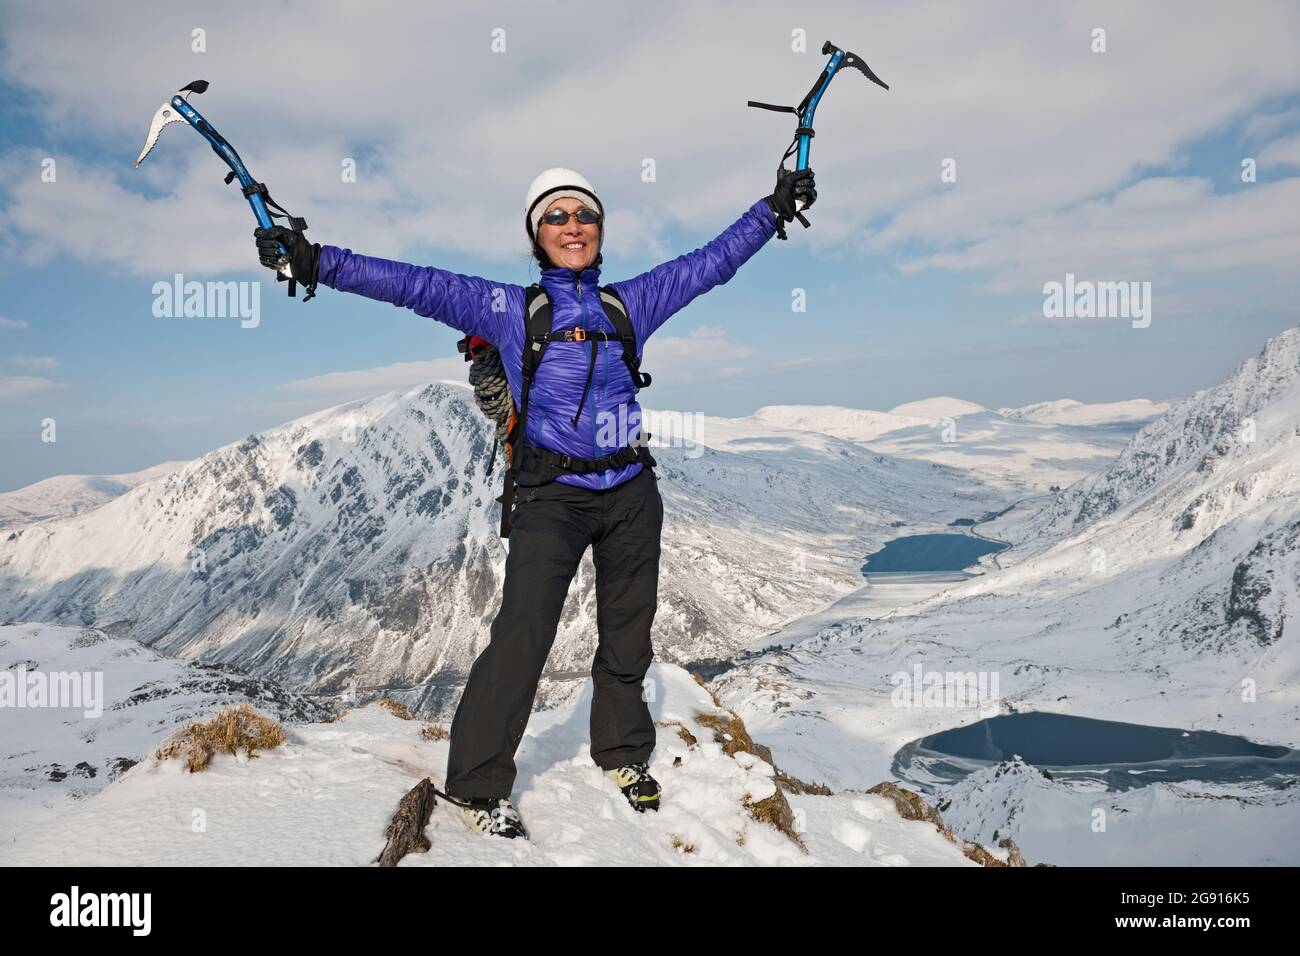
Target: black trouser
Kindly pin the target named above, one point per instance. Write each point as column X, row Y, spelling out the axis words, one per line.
column 550, row 529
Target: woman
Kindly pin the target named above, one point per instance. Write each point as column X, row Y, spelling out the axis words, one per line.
column 581, row 387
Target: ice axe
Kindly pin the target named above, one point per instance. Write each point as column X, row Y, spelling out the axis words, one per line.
column 808, row 106
column 267, row 210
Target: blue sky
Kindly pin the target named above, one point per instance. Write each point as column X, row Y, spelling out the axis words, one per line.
column 1122, row 165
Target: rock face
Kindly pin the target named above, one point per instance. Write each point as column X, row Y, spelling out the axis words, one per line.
column 912, row 806
column 359, row 546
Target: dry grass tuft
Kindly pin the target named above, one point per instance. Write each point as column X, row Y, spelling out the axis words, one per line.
column 396, row 708
column 234, row 728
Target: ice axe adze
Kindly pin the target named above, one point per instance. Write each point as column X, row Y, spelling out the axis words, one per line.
column 266, row 209
column 805, row 110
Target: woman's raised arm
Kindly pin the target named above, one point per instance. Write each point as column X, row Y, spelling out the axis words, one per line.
column 469, row 304
column 653, row 297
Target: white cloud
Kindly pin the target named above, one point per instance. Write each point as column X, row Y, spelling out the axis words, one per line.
column 1168, row 231
column 1266, row 124
column 1282, row 152
column 16, row 387
column 447, row 134
column 34, row 361
column 7, row 323
column 702, row 355
column 383, row 378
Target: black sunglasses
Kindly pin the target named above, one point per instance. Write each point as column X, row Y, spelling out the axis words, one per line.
column 559, row 217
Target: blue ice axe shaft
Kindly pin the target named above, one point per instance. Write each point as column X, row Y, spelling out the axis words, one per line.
column 178, row 108
column 222, row 147
column 802, row 143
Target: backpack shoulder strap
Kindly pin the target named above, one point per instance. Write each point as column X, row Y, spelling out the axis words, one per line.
column 616, row 310
column 537, row 330
column 537, row 326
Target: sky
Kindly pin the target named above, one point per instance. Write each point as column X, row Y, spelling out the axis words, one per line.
column 1114, row 164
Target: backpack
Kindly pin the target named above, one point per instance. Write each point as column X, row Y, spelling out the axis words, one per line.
column 493, row 397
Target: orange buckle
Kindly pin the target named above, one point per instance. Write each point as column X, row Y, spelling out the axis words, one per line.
column 579, row 334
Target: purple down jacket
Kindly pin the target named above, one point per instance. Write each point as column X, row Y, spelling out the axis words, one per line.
column 610, row 416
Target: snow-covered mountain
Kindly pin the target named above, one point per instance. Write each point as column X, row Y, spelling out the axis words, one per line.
column 359, row 545
column 934, row 409
column 70, row 494
column 1245, row 426
column 1163, row 590
column 1067, row 411
column 852, row 424
column 1024, row 457
column 53, row 757
column 1022, row 452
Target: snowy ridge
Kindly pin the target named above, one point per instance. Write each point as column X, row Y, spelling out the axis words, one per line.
column 1021, row 453
column 1067, row 411
column 933, row 409
column 1240, row 419
column 1024, row 457
column 70, row 494
column 326, row 796
column 853, row 424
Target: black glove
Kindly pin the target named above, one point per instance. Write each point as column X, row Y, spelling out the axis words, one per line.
column 791, row 185
column 304, row 256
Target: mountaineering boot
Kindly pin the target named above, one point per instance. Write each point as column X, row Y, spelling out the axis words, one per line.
column 496, row 816
column 640, row 789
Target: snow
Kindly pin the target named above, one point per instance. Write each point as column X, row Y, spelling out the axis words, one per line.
column 145, row 695
column 1023, row 457
column 325, row 797
column 360, row 545
column 1161, row 590
column 934, row 409
column 853, row 424
column 1023, row 451
column 69, row 494
column 1161, row 587
column 1067, row 411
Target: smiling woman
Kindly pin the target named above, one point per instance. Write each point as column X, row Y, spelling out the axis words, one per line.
column 582, row 482
column 557, row 203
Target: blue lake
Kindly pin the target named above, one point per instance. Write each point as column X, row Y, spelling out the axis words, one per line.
column 929, row 552
column 1122, row 756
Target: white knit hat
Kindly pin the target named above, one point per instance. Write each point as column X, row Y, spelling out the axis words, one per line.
column 557, row 183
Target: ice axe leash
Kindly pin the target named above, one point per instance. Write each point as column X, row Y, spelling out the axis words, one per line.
column 802, row 142
column 267, row 210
